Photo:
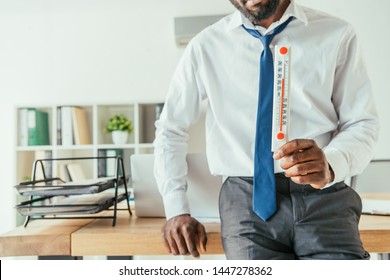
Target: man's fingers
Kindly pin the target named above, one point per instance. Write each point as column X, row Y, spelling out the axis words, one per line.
column 166, row 245
column 304, row 162
column 191, row 247
column 181, row 242
column 300, row 157
column 303, row 169
column 202, row 238
column 170, row 243
column 307, row 179
column 196, row 239
column 292, row 147
column 184, row 235
column 189, row 235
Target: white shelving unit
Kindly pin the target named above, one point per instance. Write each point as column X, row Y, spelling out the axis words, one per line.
column 142, row 115
column 140, row 140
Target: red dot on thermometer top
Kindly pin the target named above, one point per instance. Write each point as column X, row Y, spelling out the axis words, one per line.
column 280, row 136
column 283, row 50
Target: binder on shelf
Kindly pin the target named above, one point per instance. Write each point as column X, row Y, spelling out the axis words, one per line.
column 23, row 128
column 102, row 169
column 111, row 162
column 38, row 127
column 107, row 166
column 66, row 126
column 47, row 165
column 72, row 126
column 59, row 131
column 80, row 126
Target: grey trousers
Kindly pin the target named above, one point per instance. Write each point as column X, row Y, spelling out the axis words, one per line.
column 309, row 223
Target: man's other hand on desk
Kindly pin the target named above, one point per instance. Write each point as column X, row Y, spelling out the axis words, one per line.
column 184, row 235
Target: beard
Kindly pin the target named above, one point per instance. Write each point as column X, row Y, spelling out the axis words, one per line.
column 262, row 11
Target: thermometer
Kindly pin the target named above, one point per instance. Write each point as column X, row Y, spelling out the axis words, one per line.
column 281, row 109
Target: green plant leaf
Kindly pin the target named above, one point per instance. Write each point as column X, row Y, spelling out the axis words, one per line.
column 119, row 122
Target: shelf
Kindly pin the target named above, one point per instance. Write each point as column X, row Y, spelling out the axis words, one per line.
column 33, row 148
column 113, row 146
column 142, row 114
column 94, row 118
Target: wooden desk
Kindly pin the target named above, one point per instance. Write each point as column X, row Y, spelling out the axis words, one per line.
column 374, row 230
column 41, row 238
column 131, row 236
column 136, row 236
column 375, row 233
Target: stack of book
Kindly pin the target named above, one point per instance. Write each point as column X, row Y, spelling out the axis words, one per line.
column 107, row 166
column 72, row 126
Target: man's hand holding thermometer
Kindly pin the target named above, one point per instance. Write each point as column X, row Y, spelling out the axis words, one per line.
column 303, row 161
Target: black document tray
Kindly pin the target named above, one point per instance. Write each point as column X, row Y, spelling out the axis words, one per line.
column 52, row 198
column 90, row 186
column 72, row 205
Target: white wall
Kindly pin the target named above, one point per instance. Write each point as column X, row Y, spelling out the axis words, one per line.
column 59, row 51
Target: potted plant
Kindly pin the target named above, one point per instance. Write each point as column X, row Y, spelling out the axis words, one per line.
column 120, row 127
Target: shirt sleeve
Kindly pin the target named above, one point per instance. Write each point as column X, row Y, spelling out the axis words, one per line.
column 182, row 108
column 352, row 147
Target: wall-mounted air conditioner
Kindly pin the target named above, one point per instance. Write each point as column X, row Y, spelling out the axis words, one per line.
column 188, row 27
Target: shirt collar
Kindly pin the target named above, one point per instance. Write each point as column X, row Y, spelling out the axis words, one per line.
column 293, row 10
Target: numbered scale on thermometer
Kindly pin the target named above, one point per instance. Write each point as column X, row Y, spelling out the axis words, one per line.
column 281, row 109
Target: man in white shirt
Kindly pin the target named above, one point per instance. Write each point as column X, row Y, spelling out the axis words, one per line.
column 333, row 128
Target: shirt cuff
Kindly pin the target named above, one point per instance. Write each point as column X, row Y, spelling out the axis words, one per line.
column 338, row 163
column 176, row 203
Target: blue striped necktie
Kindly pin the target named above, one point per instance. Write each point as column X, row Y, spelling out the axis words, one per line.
column 264, row 193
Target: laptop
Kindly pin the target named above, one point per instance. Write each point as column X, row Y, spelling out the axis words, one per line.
column 202, row 187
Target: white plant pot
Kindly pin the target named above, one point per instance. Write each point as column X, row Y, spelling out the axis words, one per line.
column 119, row 137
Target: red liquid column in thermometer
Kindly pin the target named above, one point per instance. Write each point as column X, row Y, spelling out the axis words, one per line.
column 281, row 96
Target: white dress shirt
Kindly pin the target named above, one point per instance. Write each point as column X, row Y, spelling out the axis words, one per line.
column 331, row 100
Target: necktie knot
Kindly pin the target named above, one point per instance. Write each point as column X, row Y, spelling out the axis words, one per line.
column 267, row 39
